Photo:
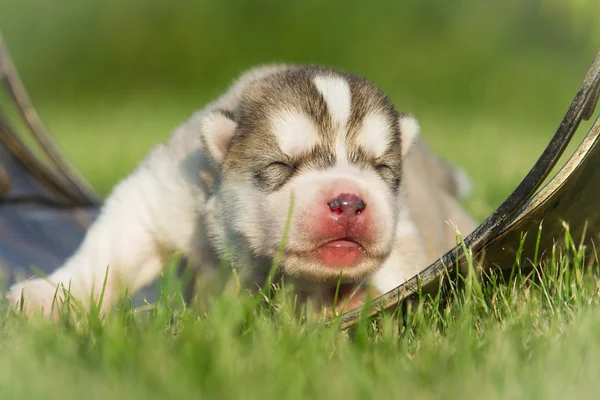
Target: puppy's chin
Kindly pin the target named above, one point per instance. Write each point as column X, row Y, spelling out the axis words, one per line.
column 309, row 267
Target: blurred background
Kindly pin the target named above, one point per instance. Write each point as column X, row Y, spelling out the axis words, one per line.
column 489, row 80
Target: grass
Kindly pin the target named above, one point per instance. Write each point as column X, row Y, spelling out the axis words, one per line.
column 534, row 337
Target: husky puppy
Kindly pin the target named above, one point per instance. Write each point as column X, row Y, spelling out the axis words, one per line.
column 315, row 153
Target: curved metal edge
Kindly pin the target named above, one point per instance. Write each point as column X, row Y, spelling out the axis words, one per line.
column 584, row 101
column 23, row 155
column 582, row 107
column 589, row 142
column 568, row 200
column 68, row 181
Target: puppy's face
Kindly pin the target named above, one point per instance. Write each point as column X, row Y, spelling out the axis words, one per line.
column 330, row 146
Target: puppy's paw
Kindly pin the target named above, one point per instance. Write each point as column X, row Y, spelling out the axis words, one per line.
column 36, row 296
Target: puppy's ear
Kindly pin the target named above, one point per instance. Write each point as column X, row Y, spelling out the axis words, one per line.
column 218, row 128
column 409, row 131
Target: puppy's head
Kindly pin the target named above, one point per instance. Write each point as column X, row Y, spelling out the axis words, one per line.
column 333, row 143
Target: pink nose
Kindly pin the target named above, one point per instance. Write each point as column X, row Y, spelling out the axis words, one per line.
column 347, row 205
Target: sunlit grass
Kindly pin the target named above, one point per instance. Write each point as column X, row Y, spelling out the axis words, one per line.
column 535, row 336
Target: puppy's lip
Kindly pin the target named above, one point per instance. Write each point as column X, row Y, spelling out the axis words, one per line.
column 340, row 242
column 343, row 242
column 340, row 253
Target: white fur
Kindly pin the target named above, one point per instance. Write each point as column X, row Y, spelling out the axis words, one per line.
column 406, row 260
column 148, row 216
column 336, row 92
column 295, row 132
column 410, row 130
column 374, row 135
column 218, row 131
column 341, row 154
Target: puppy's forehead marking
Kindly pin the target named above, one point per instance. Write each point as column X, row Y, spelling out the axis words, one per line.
column 375, row 134
column 295, row 131
column 336, row 93
column 341, row 153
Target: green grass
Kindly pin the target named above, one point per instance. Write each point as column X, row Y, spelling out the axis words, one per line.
column 535, row 337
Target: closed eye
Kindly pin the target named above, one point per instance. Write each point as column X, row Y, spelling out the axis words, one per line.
column 384, row 168
column 274, row 175
column 279, row 164
column 388, row 174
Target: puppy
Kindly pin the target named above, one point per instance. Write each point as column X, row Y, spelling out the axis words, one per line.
column 312, row 155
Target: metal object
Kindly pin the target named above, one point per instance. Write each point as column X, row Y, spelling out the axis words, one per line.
column 45, row 207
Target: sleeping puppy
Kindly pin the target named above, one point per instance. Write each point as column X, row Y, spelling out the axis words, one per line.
column 313, row 154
